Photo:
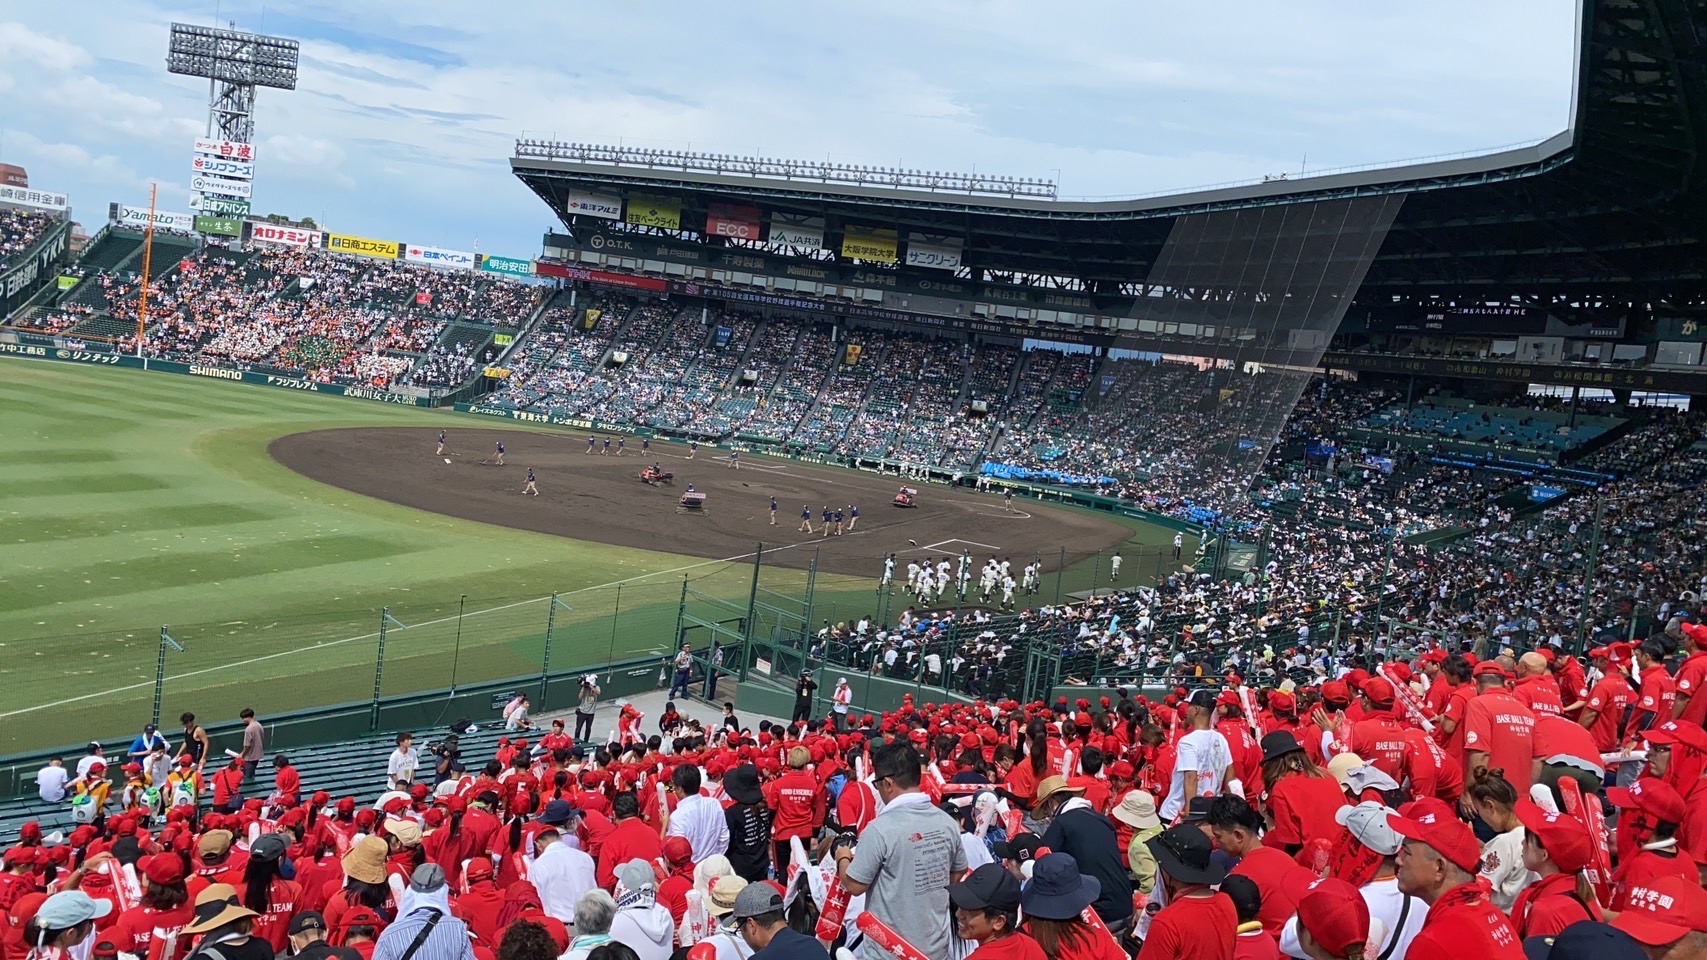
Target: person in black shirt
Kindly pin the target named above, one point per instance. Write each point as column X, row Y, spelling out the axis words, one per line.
column 731, row 722
column 803, row 698
column 749, row 822
column 308, row 939
column 758, row 919
column 1076, row 828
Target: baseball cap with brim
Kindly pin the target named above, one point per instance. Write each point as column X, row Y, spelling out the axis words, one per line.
column 1279, row 744
column 217, row 906
column 990, row 885
column 306, row 921
column 68, row 908
column 1020, row 848
column 1367, row 823
column 1137, row 809
column 1183, row 852
column 1564, row 837
column 1058, row 891
column 756, row 900
column 1689, row 734
column 1661, row 911
column 557, row 813
column 1652, row 796
column 1585, row 940
column 1053, row 785
column 1443, row 831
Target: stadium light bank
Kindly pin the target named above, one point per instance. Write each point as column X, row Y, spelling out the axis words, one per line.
column 724, row 164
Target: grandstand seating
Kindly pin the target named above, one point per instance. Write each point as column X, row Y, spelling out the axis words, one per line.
column 1450, row 418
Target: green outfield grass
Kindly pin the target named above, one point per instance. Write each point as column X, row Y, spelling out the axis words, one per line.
column 132, row 500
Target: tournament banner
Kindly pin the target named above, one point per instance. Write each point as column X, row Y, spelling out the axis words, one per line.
column 934, row 253
column 219, row 226
column 626, row 281
column 503, row 339
column 665, row 213
column 439, row 257
column 137, row 217
column 591, row 320
column 229, row 149
column 586, row 203
column 870, row 243
column 509, row 266
column 67, row 281
column 235, row 169
column 850, row 354
column 40, row 199
column 289, row 236
column 794, row 231
column 728, row 220
column 361, row 246
column 225, row 188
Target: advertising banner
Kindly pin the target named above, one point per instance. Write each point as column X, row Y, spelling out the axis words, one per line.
column 439, row 257
column 727, row 220
column 607, row 278
column 225, row 188
column 361, row 246
column 219, row 206
column 67, row 281
column 870, row 243
column 235, row 169
column 229, row 149
column 34, row 268
column 219, row 226
column 40, row 199
column 289, row 236
column 934, row 253
column 608, row 206
column 163, row 220
column 794, row 231
column 509, row 266
column 665, row 213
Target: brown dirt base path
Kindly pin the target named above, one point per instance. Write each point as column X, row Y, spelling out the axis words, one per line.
column 601, row 499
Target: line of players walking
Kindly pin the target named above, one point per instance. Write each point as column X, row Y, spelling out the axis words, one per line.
column 929, row 580
column 836, row 522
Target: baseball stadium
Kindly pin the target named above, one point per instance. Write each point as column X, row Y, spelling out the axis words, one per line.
column 952, row 435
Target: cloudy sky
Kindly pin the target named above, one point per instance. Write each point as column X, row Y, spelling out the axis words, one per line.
column 402, row 130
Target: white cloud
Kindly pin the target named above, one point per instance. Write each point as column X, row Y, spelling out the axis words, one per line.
column 402, row 123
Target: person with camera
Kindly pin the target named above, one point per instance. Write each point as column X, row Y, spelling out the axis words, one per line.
column 586, row 701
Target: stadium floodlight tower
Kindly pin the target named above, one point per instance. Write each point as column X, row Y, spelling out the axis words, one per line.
column 235, row 64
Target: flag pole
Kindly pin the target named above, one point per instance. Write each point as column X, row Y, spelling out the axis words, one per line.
column 147, row 260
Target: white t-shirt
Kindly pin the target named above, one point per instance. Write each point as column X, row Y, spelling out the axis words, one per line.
column 1204, row 752
column 51, row 781
column 1502, row 864
column 402, row 764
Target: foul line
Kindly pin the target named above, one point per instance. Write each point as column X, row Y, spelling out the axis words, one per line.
column 371, row 636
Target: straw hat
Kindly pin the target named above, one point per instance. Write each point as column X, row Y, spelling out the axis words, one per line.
column 1053, row 785
column 723, row 894
column 217, row 906
column 366, row 860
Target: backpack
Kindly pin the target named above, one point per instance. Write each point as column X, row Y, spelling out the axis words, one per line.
column 183, row 794
column 83, row 808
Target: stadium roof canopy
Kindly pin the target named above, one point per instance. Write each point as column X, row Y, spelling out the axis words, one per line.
column 1613, row 208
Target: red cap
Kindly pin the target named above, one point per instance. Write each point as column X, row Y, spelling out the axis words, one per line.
column 1378, row 690
column 1664, row 910
column 164, row 869
column 1652, row 796
column 1436, row 655
column 1548, row 654
column 1121, row 770
column 677, row 850
column 420, row 791
column 1488, row 668
column 361, row 917
column 455, row 804
column 294, row 817
column 1618, row 653
column 1227, row 698
column 18, row 855
column 1281, row 700
column 1335, row 914
column 1400, row 670
column 1336, row 691
column 1563, row 836
column 1688, row 734
column 346, row 804
column 1432, row 822
column 185, row 761
column 479, row 868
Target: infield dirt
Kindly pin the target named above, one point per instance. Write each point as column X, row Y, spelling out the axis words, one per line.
column 601, row 499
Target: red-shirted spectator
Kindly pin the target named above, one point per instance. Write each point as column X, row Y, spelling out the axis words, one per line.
column 1302, row 799
column 1535, row 687
column 1556, row 848
column 1677, row 754
column 1237, row 829
column 1657, row 699
column 152, row 928
column 1603, row 713
column 673, row 889
column 287, row 784
column 1438, row 864
column 1647, row 837
column 227, row 787
column 1692, row 676
column 480, row 901
column 1499, row 732
column 1198, row 921
column 797, row 804
column 631, row 838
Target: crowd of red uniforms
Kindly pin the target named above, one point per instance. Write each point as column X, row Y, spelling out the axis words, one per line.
column 489, row 875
